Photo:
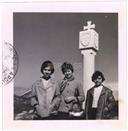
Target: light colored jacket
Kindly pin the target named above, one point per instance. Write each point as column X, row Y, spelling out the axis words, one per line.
column 43, row 97
column 106, row 100
column 70, row 89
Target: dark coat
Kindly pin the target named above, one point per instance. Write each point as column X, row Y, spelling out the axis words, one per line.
column 106, row 101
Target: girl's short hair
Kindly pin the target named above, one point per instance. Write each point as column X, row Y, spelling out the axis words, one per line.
column 47, row 64
column 66, row 66
column 96, row 74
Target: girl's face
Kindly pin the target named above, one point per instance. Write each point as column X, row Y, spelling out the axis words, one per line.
column 68, row 73
column 47, row 72
column 98, row 81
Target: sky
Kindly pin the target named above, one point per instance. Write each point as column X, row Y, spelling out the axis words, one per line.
column 55, row 36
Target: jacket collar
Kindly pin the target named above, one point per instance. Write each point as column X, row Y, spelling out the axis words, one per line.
column 68, row 80
column 103, row 91
column 50, row 83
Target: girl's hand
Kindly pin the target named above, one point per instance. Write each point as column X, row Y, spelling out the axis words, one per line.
column 70, row 99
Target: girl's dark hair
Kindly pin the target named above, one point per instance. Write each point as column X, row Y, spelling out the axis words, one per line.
column 96, row 74
column 66, row 66
column 46, row 64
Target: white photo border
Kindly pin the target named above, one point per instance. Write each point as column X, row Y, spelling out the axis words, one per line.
column 87, row 7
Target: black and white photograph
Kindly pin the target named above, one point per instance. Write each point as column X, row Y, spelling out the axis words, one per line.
column 68, row 66
column 64, row 65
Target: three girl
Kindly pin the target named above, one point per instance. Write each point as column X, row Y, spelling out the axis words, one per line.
column 63, row 100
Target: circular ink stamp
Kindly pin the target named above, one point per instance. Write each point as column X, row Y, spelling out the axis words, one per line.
column 10, row 63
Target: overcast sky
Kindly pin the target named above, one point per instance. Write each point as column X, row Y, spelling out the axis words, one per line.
column 55, row 36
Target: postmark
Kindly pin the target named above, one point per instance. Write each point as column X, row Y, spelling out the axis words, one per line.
column 10, row 63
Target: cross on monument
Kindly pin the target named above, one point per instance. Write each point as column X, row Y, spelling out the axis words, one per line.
column 89, row 26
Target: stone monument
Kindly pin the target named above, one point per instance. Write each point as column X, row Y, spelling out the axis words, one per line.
column 89, row 45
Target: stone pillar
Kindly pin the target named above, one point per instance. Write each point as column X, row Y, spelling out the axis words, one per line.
column 88, row 68
column 88, row 44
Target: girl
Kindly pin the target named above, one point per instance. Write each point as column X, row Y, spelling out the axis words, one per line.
column 43, row 92
column 100, row 100
column 71, row 93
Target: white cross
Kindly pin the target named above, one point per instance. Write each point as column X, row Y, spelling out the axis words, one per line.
column 89, row 26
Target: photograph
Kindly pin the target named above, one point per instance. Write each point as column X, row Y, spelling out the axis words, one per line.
column 64, row 65
column 68, row 66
